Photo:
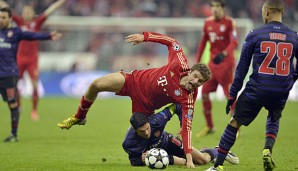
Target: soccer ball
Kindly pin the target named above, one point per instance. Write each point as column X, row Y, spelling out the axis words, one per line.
column 157, row 158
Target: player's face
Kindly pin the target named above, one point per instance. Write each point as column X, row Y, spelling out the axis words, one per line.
column 194, row 80
column 4, row 20
column 144, row 131
column 217, row 10
column 28, row 13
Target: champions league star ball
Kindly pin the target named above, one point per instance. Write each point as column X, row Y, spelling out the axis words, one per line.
column 157, row 158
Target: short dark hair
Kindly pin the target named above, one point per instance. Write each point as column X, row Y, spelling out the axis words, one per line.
column 138, row 119
column 8, row 10
column 203, row 69
column 221, row 2
column 275, row 5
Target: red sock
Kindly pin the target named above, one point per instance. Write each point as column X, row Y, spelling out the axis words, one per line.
column 35, row 99
column 207, row 113
column 83, row 108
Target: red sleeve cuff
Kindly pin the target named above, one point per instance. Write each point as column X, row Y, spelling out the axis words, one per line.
column 187, row 151
column 146, row 36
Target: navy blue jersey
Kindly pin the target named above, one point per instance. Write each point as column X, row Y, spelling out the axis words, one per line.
column 272, row 47
column 135, row 145
column 9, row 41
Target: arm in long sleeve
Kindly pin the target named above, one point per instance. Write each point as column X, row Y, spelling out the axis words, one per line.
column 233, row 38
column 35, row 36
column 158, row 38
column 187, row 116
column 202, row 45
column 243, row 65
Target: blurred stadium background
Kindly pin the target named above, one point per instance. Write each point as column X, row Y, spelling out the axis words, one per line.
column 94, row 30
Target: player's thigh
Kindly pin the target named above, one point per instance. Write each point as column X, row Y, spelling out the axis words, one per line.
column 22, row 69
column 8, row 88
column 225, row 79
column 275, row 105
column 210, row 85
column 246, row 109
column 112, row 82
column 174, row 146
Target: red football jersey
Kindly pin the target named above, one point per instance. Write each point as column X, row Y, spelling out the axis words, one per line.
column 222, row 35
column 28, row 50
column 153, row 88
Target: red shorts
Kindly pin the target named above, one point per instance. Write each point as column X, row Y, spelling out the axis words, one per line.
column 220, row 75
column 139, row 101
column 31, row 67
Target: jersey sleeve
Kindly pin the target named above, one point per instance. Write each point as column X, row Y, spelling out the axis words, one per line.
column 232, row 37
column 133, row 149
column 187, row 116
column 160, row 119
column 26, row 35
column 40, row 20
column 202, row 44
column 18, row 20
column 174, row 47
column 243, row 65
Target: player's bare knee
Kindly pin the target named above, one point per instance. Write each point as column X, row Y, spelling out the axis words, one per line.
column 234, row 123
column 12, row 103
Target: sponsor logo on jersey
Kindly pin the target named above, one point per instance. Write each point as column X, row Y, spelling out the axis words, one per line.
column 176, row 47
column 222, row 28
column 177, row 92
column 9, row 34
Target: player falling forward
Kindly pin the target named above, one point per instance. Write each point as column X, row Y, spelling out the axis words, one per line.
column 272, row 48
column 152, row 88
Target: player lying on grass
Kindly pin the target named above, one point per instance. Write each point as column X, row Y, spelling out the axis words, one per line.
column 148, row 132
column 152, row 88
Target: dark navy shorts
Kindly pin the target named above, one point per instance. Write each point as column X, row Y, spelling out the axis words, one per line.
column 251, row 102
column 174, row 146
column 8, row 87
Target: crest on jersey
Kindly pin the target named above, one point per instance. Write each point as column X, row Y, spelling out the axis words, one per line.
column 176, row 47
column 177, row 92
column 222, row 28
column 9, row 34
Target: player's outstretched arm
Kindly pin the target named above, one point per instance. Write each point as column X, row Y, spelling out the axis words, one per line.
column 135, row 39
column 53, row 7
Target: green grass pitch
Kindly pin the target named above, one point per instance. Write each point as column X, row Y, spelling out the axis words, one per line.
column 44, row 146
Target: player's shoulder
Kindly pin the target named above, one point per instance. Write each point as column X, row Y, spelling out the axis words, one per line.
column 209, row 19
column 15, row 29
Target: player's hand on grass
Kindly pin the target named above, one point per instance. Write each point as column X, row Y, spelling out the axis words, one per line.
column 189, row 162
column 56, row 35
column 230, row 103
column 134, row 39
column 219, row 58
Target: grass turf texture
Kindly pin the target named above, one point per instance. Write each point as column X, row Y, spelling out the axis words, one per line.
column 97, row 145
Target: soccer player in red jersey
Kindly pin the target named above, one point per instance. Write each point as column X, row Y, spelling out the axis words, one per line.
column 152, row 88
column 27, row 56
column 220, row 30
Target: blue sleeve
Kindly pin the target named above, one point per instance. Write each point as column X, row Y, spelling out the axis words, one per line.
column 134, row 148
column 243, row 65
column 160, row 119
column 26, row 35
column 296, row 67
